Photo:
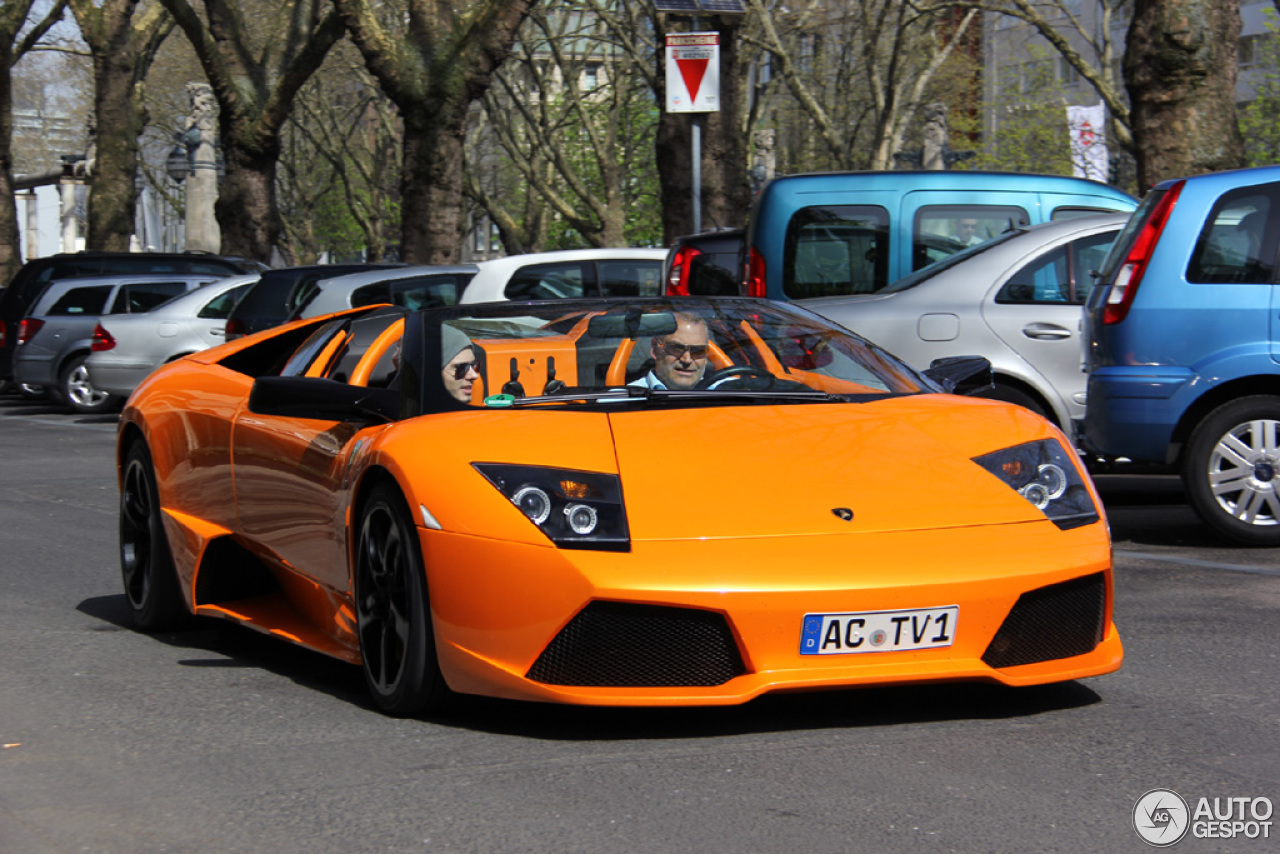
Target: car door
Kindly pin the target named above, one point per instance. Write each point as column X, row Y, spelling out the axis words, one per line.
column 291, row 473
column 1037, row 310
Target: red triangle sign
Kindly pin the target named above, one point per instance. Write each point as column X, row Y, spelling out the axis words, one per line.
column 692, row 71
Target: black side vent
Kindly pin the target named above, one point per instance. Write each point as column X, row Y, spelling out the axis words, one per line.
column 1057, row 621
column 621, row 644
column 229, row 572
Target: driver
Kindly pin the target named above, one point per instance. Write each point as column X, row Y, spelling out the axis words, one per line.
column 679, row 359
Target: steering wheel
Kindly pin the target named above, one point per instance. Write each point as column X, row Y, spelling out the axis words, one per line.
column 736, row 372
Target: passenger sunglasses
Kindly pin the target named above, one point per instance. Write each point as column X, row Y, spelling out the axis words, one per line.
column 676, row 350
column 461, row 369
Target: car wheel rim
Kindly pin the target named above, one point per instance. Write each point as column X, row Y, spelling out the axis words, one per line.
column 80, row 390
column 1244, row 471
column 382, row 610
column 136, row 534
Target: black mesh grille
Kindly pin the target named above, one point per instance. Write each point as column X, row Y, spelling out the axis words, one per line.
column 621, row 644
column 1057, row 621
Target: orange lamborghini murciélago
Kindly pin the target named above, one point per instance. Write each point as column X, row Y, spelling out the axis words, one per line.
column 662, row 501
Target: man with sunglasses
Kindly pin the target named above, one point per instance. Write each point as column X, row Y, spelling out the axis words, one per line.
column 679, row 359
column 459, row 370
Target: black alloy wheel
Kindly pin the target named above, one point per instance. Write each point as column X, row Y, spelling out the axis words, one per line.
column 393, row 617
column 1231, row 470
column 146, row 565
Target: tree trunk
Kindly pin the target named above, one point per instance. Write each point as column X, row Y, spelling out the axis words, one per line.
column 246, row 208
column 1180, row 68
column 10, row 259
column 119, row 119
column 431, row 184
column 726, row 191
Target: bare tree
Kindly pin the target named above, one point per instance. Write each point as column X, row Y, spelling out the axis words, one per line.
column 1180, row 66
column 573, row 119
column 1087, row 46
column 338, row 187
column 856, row 72
column 433, row 59
column 256, row 64
column 16, row 39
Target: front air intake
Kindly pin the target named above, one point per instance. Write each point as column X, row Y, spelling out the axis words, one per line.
column 617, row 644
column 1058, row 621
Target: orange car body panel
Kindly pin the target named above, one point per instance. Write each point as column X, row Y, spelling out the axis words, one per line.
column 730, row 509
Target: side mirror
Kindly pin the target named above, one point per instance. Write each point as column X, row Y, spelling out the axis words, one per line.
column 318, row 399
column 974, row 372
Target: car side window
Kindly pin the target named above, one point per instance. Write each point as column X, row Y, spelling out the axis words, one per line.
column 427, row 291
column 374, row 294
column 140, row 297
column 548, row 281
column 219, row 308
column 77, row 301
column 1060, row 277
column 1238, row 242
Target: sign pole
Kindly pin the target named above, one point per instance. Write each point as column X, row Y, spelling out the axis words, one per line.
column 697, row 171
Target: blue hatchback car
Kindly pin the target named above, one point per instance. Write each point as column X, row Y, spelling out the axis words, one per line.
column 1182, row 340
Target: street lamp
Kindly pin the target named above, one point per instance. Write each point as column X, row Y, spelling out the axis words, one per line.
column 178, row 164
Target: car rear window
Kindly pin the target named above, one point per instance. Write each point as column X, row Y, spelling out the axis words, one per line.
column 943, row 230
column 1233, row 247
column 836, row 250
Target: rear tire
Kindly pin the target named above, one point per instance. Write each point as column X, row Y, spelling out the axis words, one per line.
column 79, row 393
column 1231, row 470
column 146, row 564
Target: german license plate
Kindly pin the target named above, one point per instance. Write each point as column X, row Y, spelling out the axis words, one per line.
column 878, row 631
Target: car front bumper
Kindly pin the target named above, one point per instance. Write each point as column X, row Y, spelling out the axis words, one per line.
column 500, row 608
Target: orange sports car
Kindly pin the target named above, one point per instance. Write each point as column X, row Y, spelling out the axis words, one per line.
column 629, row 501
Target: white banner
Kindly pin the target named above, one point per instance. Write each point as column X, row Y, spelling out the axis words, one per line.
column 1087, row 126
column 693, row 73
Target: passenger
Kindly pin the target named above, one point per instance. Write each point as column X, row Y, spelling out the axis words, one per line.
column 458, row 363
column 679, row 359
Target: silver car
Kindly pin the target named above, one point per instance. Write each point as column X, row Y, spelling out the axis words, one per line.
column 1016, row 299
column 425, row 286
column 54, row 339
column 127, row 347
column 568, row 273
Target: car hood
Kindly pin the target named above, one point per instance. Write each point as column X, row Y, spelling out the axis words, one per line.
column 743, row 471
column 898, row 464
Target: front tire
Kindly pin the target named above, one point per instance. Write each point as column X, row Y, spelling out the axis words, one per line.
column 1231, row 470
column 146, row 565
column 393, row 617
column 80, row 394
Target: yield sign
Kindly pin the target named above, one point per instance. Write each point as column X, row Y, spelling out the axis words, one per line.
column 693, row 73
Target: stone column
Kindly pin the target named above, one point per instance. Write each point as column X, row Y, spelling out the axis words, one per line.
column 202, row 186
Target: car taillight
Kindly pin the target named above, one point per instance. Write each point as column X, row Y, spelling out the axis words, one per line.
column 3, row 333
column 235, row 328
column 755, row 274
column 27, row 329
column 1125, row 286
column 102, row 340
column 678, row 278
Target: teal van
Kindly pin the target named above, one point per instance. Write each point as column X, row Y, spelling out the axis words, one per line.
column 831, row 234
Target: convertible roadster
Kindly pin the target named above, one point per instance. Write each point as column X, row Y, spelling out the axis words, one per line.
column 620, row 501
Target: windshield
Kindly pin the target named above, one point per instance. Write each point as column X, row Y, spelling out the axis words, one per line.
column 631, row 351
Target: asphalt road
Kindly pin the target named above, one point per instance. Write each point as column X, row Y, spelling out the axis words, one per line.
column 220, row 740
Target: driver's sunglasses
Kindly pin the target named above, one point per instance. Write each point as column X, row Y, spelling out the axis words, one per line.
column 676, row 350
column 461, row 369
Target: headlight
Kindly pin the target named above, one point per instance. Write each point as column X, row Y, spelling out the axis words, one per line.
column 575, row 509
column 1044, row 474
